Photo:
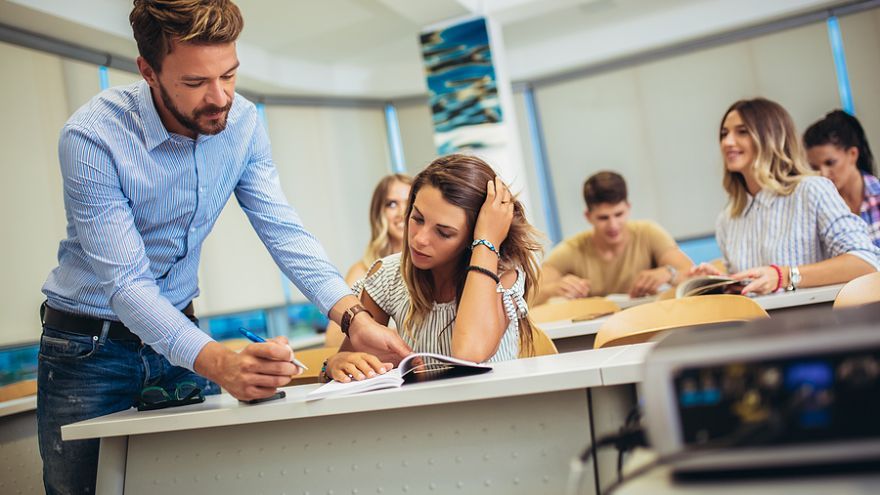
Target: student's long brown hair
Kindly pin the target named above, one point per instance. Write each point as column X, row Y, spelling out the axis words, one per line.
column 380, row 244
column 462, row 179
column 780, row 162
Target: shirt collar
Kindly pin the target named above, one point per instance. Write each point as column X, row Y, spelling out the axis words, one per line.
column 154, row 131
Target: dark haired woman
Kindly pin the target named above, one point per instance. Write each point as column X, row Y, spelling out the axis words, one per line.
column 838, row 149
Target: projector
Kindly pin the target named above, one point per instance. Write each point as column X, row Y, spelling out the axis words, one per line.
column 800, row 389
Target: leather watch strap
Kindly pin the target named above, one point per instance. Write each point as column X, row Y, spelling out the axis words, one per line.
column 349, row 314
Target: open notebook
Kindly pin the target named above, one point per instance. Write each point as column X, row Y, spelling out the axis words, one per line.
column 416, row 367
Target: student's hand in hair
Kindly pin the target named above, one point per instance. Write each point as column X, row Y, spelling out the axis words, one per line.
column 648, row 281
column 347, row 366
column 496, row 214
column 571, row 287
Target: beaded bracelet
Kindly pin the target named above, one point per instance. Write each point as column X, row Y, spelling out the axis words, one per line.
column 484, row 271
column 484, row 242
column 324, row 376
column 778, row 277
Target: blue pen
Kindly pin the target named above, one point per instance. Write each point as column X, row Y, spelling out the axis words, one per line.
column 256, row 338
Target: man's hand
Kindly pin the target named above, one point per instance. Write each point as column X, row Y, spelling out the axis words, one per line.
column 570, row 287
column 254, row 373
column 648, row 281
column 368, row 336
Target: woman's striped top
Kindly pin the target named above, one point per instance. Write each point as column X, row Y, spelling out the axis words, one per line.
column 810, row 225
column 387, row 288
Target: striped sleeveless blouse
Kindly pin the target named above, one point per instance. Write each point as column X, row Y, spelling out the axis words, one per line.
column 387, row 288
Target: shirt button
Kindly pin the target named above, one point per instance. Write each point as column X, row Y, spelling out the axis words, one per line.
column 193, row 229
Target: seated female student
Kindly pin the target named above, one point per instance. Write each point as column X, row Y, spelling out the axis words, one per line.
column 838, row 149
column 387, row 216
column 784, row 227
column 459, row 285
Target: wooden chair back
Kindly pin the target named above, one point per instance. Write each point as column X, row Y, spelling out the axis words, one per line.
column 640, row 323
column 543, row 345
column 859, row 291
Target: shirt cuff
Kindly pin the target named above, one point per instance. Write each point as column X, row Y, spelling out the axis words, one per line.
column 187, row 346
column 330, row 294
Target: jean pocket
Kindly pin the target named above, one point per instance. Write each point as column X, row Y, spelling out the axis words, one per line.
column 55, row 344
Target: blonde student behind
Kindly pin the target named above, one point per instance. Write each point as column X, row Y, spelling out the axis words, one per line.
column 387, row 218
column 784, row 226
column 460, row 284
column 838, row 149
column 617, row 256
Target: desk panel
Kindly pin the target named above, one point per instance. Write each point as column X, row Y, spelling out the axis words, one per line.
column 508, row 445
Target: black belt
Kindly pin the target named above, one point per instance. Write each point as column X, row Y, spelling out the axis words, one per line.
column 86, row 325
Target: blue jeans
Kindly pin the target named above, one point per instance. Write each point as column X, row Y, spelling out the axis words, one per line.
column 82, row 377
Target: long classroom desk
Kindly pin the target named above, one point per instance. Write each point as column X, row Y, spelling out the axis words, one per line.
column 513, row 430
column 575, row 336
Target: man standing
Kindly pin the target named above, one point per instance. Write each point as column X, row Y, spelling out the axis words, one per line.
column 617, row 256
column 147, row 169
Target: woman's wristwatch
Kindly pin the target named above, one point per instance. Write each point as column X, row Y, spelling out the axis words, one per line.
column 794, row 278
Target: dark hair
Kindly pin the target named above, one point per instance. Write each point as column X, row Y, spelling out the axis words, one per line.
column 604, row 187
column 156, row 23
column 844, row 131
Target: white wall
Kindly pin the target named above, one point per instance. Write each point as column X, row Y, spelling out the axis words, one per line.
column 329, row 161
column 861, row 40
column 657, row 123
column 35, row 107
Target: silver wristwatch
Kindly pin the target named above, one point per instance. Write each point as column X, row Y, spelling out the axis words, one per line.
column 794, row 278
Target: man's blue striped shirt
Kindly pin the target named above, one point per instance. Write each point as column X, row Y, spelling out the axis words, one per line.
column 140, row 201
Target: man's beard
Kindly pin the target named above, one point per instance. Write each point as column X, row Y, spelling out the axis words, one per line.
column 192, row 123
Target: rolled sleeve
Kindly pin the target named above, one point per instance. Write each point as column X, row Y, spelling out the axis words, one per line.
column 841, row 231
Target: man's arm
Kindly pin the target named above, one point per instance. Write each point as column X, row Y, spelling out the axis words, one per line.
column 555, row 284
column 106, row 230
column 299, row 254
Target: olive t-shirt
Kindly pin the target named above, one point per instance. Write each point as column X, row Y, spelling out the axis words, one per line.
column 577, row 256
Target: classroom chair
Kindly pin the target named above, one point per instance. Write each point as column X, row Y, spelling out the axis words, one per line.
column 640, row 323
column 859, row 291
column 573, row 309
column 543, row 345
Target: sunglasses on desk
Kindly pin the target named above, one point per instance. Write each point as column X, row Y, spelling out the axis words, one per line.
column 185, row 393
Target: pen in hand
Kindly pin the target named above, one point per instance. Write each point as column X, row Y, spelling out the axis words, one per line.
column 256, row 338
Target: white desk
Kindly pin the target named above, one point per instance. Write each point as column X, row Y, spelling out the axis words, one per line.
column 19, row 405
column 513, row 430
column 800, row 297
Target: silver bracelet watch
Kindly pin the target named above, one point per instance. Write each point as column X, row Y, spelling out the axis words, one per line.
column 794, row 278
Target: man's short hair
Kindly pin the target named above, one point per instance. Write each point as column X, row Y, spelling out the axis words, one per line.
column 156, row 23
column 604, row 187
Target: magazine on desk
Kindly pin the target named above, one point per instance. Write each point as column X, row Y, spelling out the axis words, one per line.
column 417, row 367
column 710, row 284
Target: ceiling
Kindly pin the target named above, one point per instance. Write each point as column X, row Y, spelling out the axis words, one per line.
column 369, row 48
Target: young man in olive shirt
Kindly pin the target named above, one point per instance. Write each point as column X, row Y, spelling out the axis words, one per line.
column 618, row 256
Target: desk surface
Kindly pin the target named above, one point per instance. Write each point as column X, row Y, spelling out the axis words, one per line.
column 542, row 374
column 16, row 406
column 800, row 297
